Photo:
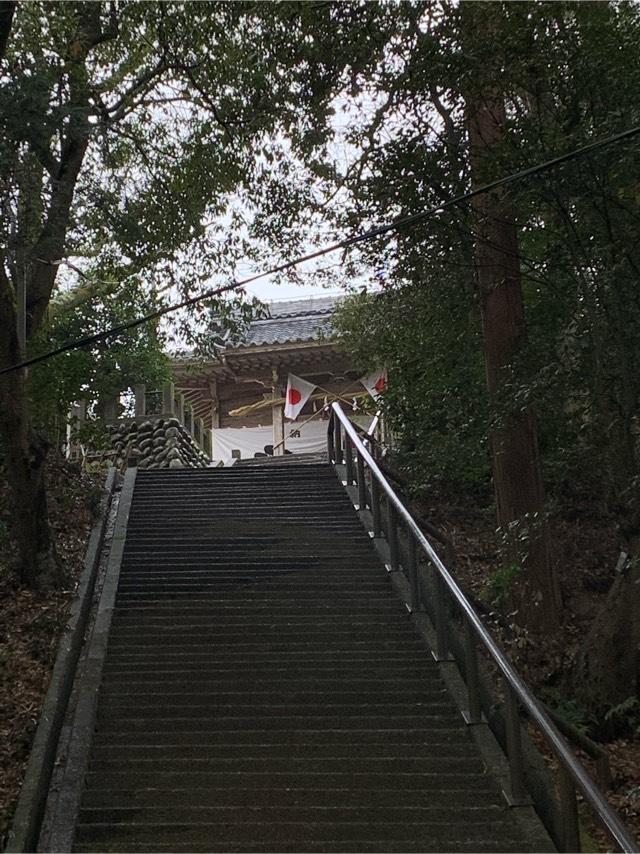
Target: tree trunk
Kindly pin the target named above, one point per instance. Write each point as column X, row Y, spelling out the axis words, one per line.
column 41, row 245
column 514, row 448
column 24, row 458
column 7, row 10
column 607, row 671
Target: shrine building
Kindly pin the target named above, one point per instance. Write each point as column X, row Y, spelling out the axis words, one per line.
column 239, row 393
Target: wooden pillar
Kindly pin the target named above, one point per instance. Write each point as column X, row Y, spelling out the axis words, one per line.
column 277, row 413
column 179, row 406
column 215, row 404
column 188, row 418
column 198, row 431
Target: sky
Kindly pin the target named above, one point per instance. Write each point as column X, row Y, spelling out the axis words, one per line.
column 269, row 291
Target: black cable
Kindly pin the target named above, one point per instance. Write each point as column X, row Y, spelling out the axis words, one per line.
column 345, row 243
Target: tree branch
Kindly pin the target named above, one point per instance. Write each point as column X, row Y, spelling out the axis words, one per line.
column 125, row 103
column 50, row 244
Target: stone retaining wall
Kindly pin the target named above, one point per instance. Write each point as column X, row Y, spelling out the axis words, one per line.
column 156, row 443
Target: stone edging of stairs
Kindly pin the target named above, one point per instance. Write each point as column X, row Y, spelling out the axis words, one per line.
column 23, row 835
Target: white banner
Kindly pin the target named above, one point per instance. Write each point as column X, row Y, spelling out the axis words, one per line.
column 312, row 438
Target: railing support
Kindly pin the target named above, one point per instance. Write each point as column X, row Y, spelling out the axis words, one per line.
column 331, row 449
column 412, row 572
column 376, row 510
column 337, row 440
column 517, row 795
column 473, row 715
column 392, row 538
column 362, row 485
column 568, row 811
column 441, row 652
column 348, row 458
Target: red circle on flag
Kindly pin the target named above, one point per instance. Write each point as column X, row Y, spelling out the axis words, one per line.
column 380, row 384
column 294, row 396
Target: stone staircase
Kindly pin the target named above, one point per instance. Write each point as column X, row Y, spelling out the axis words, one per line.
column 264, row 688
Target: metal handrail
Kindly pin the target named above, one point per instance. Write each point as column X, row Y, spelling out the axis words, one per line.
column 571, row 765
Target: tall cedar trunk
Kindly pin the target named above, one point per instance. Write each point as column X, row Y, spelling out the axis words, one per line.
column 24, row 457
column 514, row 448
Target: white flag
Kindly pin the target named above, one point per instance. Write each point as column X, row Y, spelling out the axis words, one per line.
column 298, row 393
column 374, row 383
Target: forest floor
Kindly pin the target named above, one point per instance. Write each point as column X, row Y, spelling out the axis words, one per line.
column 586, row 554
column 31, row 623
column 586, row 551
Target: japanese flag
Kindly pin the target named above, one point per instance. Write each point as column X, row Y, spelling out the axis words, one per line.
column 374, row 383
column 298, row 392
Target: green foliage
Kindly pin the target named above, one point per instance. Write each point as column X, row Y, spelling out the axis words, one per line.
column 568, row 74
column 187, row 112
column 499, row 585
column 434, row 399
column 625, row 717
column 571, row 711
column 95, row 373
column 94, row 501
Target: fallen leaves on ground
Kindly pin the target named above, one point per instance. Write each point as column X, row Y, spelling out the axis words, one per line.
column 31, row 622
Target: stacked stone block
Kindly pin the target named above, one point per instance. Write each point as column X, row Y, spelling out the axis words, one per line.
column 156, row 443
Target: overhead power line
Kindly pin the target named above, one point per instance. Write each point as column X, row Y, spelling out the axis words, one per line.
column 345, row 243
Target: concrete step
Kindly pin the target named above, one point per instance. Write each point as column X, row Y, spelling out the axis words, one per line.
column 156, row 711
column 151, row 634
column 292, row 766
column 346, row 752
column 340, row 846
column 196, row 618
column 331, row 738
column 196, row 652
column 283, row 723
column 244, row 831
column 460, row 782
column 284, row 797
column 278, row 814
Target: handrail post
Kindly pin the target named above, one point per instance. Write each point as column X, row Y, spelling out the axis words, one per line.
column 392, row 537
column 331, row 451
column 412, row 571
column 362, row 486
column 568, row 811
column 517, row 791
column 442, row 644
column 375, row 507
column 337, row 440
column 473, row 715
column 348, row 458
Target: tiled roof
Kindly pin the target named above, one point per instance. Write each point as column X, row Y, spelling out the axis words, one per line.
column 291, row 321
